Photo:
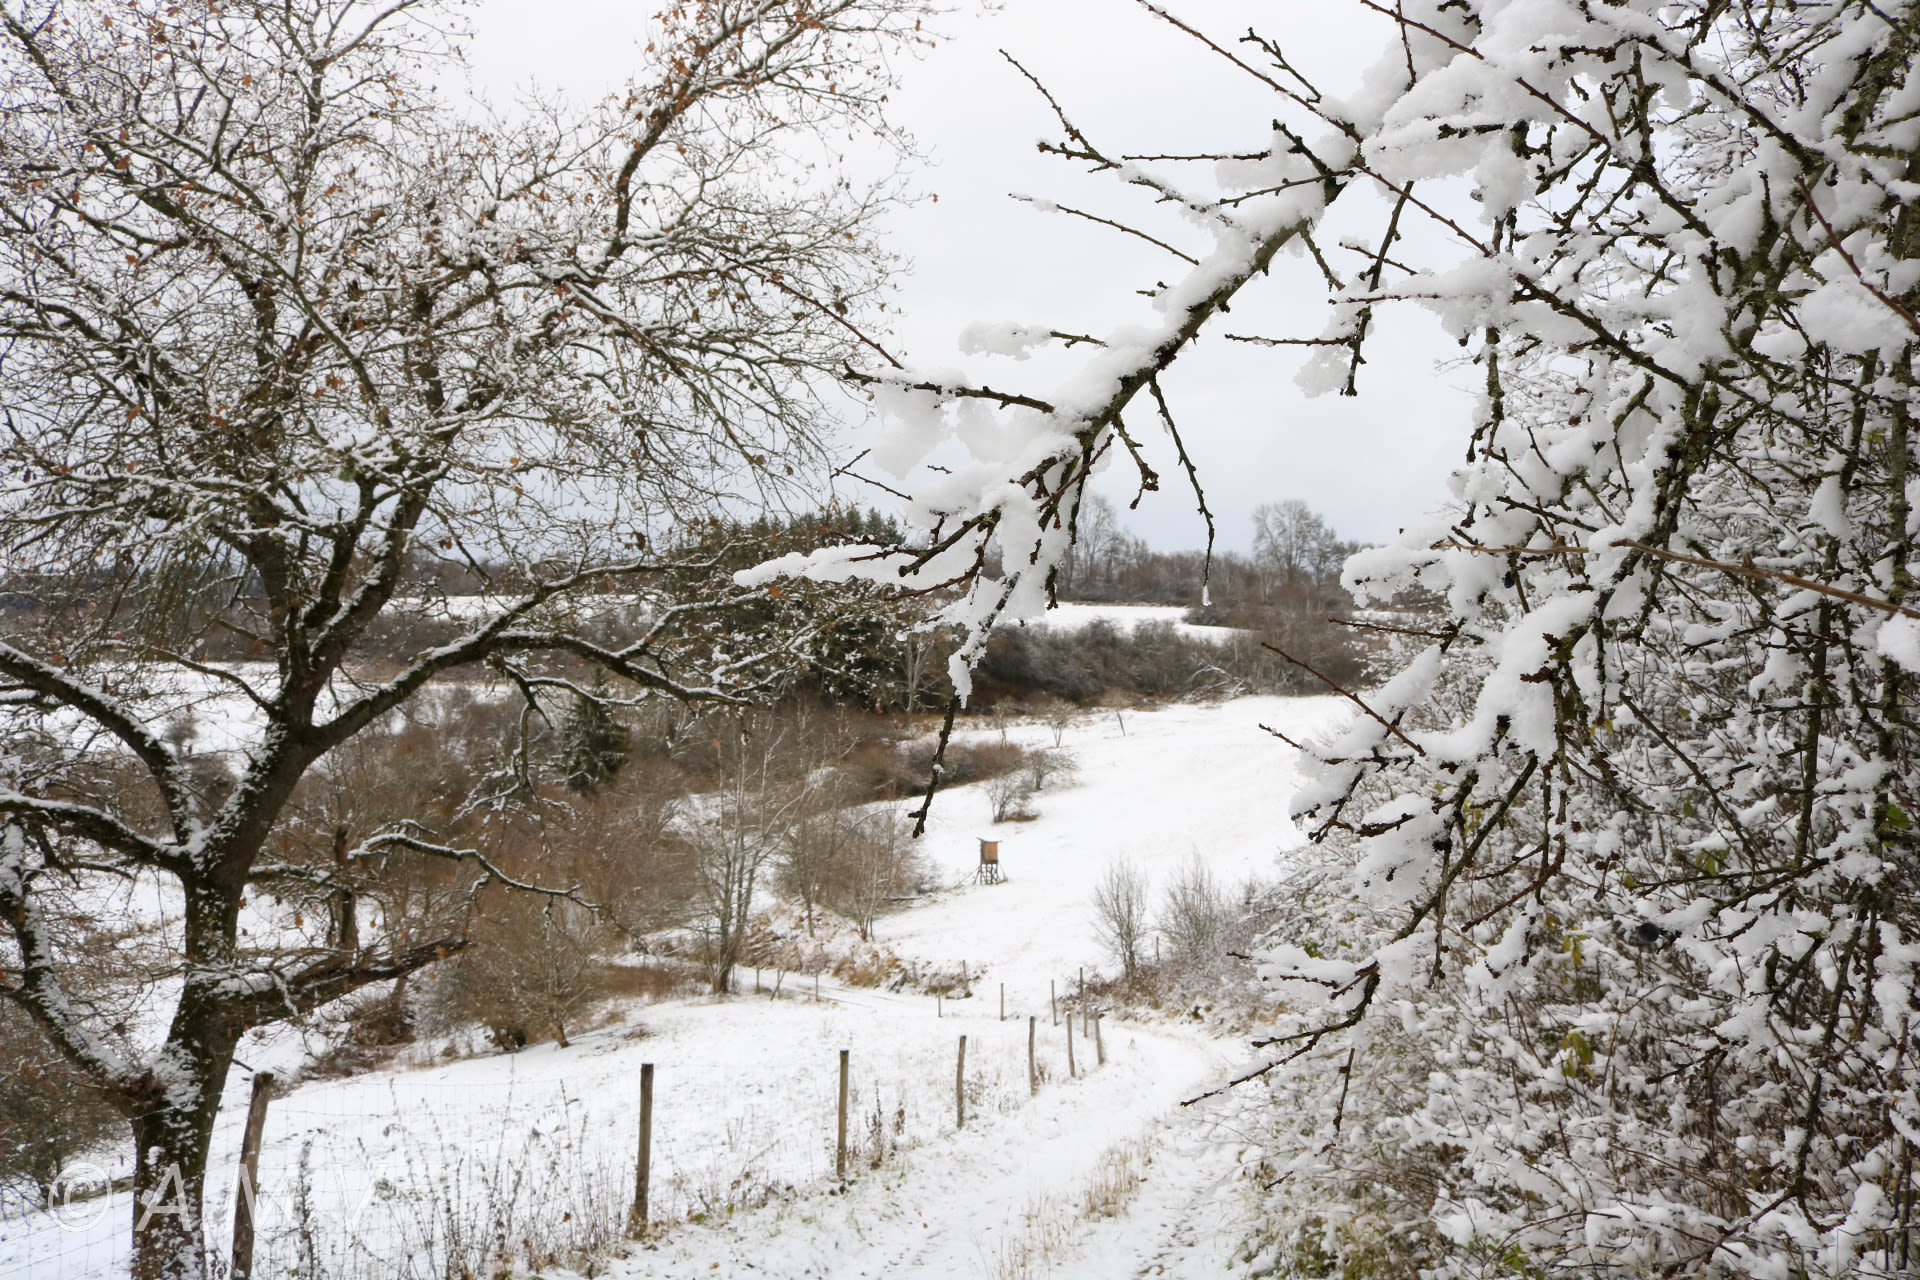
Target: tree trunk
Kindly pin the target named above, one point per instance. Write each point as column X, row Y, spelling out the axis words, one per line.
column 170, row 1144
column 174, row 1106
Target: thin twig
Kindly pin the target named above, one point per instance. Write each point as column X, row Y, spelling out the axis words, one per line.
column 851, row 474
column 1381, row 626
column 884, row 488
column 1288, row 342
column 1392, row 728
column 1283, row 737
column 1193, row 476
column 1109, row 222
column 1244, row 155
column 1006, row 399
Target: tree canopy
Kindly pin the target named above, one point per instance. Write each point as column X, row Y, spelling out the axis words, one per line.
column 285, row 336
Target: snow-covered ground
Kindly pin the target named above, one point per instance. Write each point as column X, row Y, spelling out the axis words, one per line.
column 402, row 1167
column 1155, row 787
column 1074, row 616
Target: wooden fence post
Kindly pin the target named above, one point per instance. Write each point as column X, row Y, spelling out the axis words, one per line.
column 643, row 1165
column 1003, row 1002
column 1099, row 1045
column 840, row 1153
column 1053, row 999
column 1070, row 1071
column 247, row 1193
column 1033, row 1071
column 960, row 1088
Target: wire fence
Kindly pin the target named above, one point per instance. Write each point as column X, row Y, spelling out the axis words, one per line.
column 528, row 1159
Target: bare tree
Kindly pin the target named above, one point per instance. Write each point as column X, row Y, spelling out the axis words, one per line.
column 813, row 860
column 627, row 851
column 1194, row 915
column 879, row 867
column 1059, row 716
column 923, row 659
column 1293, row 545
column 1120, row 914
column 1043, row 766
column 532, row 966
column 737, row 831
column 1102, row 552
column 1009, row 794
column 289, row 346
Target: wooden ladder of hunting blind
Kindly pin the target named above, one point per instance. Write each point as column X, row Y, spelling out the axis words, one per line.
column 989, row 871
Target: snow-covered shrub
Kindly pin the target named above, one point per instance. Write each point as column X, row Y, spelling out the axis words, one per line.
column 1638, row 819
column 533, row 967
column 1632, row 840
column 1009, row 795
column 49, row 1114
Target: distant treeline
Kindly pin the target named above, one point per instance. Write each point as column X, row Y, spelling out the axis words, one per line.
column 1295, row 551
column 869, row 648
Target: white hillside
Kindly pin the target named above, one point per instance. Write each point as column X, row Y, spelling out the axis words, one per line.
column 1153, row 787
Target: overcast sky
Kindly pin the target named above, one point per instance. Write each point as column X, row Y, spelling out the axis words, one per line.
column 1370, row 463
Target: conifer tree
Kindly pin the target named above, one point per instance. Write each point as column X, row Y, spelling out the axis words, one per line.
column 593, row 745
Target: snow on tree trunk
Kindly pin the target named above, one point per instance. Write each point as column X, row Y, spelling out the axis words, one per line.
column 170, row 1170
column 295, row 355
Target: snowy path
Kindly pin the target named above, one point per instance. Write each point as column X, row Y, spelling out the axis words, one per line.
column 1185, row 1221
column 958, row 1207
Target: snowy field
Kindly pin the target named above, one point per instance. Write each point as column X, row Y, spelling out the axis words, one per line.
column 392, row 1173
column 1155, row 788
column 1074, row 616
